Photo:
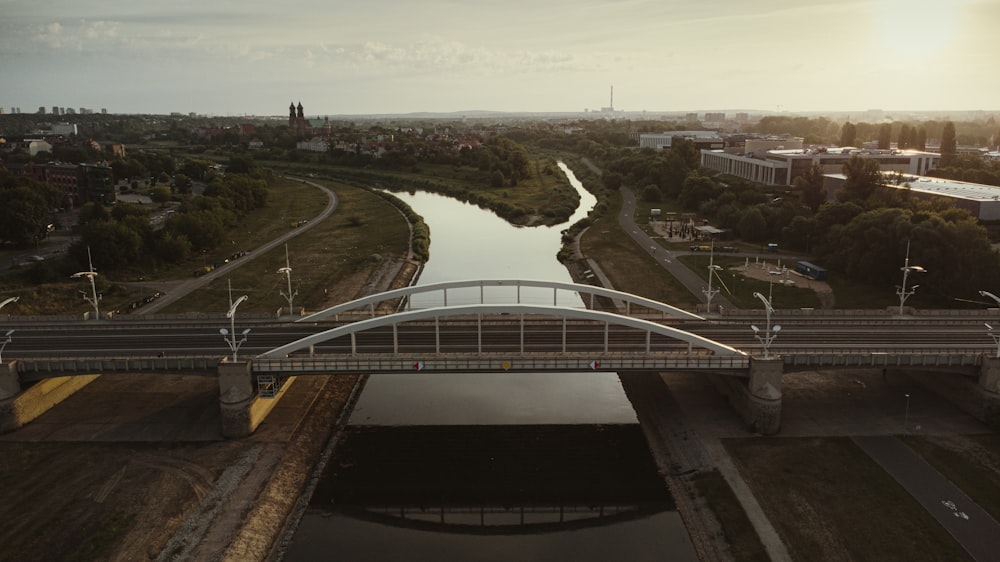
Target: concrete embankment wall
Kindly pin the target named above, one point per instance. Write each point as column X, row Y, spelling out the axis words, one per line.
column 25, row 406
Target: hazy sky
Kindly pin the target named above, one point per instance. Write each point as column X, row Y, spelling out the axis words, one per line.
column 231, row 57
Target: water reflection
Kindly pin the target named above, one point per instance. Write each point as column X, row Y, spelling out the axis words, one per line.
column 552, row 492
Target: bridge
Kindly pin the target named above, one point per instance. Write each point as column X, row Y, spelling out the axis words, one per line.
column 383, row 334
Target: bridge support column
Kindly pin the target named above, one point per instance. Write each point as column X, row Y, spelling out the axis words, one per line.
column 989, row 391
column 236, row 397
column 763, row 407
column 758, row 400
column 10, row 384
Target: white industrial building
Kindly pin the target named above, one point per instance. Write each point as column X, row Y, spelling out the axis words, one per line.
column 982, row 201
column 782, row 166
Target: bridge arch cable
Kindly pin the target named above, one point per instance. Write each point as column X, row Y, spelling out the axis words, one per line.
column 629, row 299
column 511, row 309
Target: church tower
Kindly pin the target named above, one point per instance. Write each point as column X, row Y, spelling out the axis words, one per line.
column 291, row 115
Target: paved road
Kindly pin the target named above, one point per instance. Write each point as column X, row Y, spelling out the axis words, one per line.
column 661, row 255
column 968, row 523
column 196, row 283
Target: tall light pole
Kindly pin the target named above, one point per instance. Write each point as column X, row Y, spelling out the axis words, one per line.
column 906, row 412
column 230, row 334
column 90, row 274
column 769, row 333
column 712, row 270
column 5, row 342
column 287, row 270
column 995, row 336
column 8, row 301
column 906, row 269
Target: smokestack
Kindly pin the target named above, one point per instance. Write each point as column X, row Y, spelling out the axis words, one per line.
column 612, row 105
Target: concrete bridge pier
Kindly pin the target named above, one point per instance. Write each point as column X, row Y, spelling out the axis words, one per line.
column 758, row 398
column 989, row 392
column 242, row 407
column 19, row 406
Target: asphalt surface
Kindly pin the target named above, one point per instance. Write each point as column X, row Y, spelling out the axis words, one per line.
column 661, row 255
column 192, row 285
column 969, row 524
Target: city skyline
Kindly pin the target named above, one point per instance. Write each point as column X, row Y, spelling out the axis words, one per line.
column 391, row 57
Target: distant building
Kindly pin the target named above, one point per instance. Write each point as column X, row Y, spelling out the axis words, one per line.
column 64, row 129
column 306, row 127
column 662, row 141
column 781, row 167
column 982, row 201
column 314, row 145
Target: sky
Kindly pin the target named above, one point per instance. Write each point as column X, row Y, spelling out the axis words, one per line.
column 252, row 57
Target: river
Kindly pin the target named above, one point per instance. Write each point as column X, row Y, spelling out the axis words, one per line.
column 536, row 466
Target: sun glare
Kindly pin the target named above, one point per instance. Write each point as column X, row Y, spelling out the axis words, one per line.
column 918, row 27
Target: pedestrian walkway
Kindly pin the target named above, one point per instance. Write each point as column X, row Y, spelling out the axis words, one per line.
column 662, row 256
column 969, row 524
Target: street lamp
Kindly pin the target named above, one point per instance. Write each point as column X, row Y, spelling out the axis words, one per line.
column 769, row 332
column 906, row 269
column 906, row 412
column 230, row 334
column 5, row 342
column 8, row 301
column 287, row 270
column 90, row 275
column 712, row 270
column 995, row 336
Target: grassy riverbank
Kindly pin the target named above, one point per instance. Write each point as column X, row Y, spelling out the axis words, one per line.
column 544, row 198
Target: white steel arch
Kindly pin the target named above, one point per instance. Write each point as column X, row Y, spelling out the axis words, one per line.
column 556, row 286
column 522, row 309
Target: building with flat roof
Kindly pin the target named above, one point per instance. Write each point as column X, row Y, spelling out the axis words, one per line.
column 982, row 201
column 662, row 141
column 782, row 166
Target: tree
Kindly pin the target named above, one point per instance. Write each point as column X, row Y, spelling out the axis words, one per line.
column 863, row 177
column 160, row 194
column 848, row 134
column 753, row 225
column 811, row 185
column 23, row 215
column 921, row 143
column 905, row 137
column 949, row 148
column 884, row 136
column 651, row 193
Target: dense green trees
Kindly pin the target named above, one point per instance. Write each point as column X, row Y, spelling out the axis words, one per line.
column 25, row 209
column 848, row 134
column 949, row 147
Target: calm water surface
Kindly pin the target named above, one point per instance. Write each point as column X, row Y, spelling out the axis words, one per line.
column 471, row 243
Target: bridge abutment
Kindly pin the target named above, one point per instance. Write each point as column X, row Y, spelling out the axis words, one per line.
column 758, row 398
column 978, row 396
column 19, row 406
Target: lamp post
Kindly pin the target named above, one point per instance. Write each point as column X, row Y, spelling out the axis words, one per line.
column 906, row 269
column 287, row 270
column 90, row 274
column 995, row 336
column 8, row 301
column 769, row 332
column 906, row 413
column 712, row 270
column 230, row 334
column 5, row 342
